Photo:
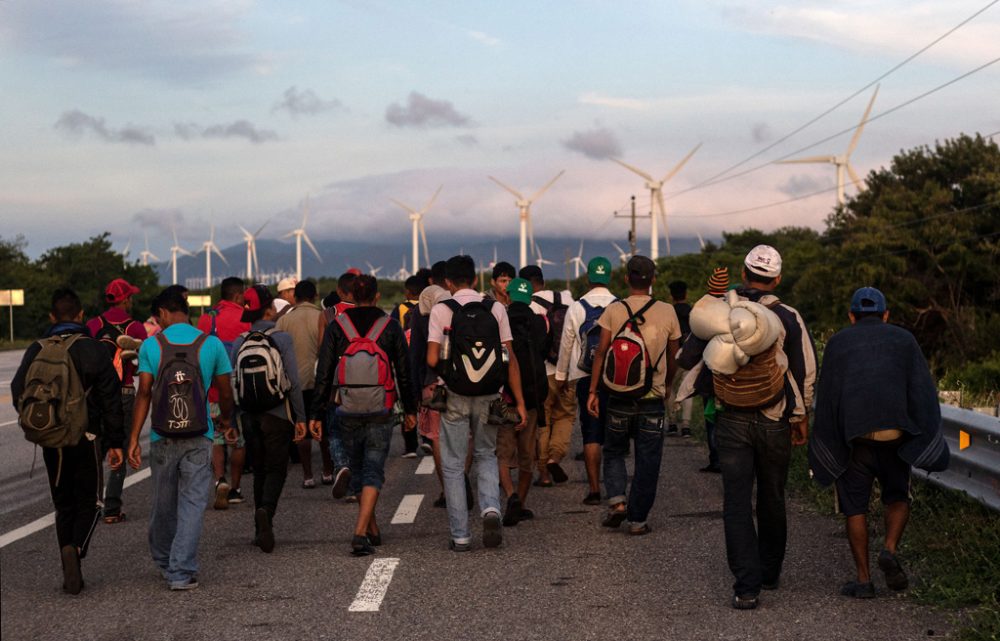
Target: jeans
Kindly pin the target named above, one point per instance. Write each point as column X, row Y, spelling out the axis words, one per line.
column 337, row 451
column 116, row 478
column 642, row 421
column 269, row 440
column 182, row 487
column 591, row 428
column 713, row 447
column 465, row 414
column 366, row 443
column 77, row 495
column 752, row 447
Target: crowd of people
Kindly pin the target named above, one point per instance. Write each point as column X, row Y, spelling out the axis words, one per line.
column 492, row 385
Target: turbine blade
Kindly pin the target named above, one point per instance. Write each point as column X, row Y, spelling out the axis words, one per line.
column 219, row 253
column 861, row 125
column 181, row 250
column 431, row 201
column 406, row 207
column 290, row 234
column 305, row 213
column 531, row 234
column 538, row 194
column 516, row 193
column 146, row 234
column 246, row 233
column 810, row 159
column 678, row 166
column 261, row 228
column 620, row 250
column 634, row 170
column 312, row 247
column 154, row 256
column 580, row 254
column 423, row 239
column 858, row 183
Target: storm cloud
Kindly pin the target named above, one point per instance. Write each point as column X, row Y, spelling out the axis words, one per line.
column 598, row 143
column 76, row 123
column 421, row 111
column 305, row 103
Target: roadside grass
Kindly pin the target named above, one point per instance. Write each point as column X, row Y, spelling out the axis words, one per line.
column 6, row 346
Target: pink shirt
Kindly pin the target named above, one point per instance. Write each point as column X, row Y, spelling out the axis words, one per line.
column 135, row 329
column 441, row 316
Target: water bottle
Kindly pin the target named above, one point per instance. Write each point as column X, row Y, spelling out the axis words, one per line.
column 505, row 355
column 446, row 345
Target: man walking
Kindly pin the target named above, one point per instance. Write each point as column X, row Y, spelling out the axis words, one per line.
column 877, row 414
column 72, row 446
column 175, row 372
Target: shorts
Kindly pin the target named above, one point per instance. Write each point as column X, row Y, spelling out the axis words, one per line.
column 591, row 428
column 518, row 448
column 219, row 436
column 872, row 460
column 428, row 420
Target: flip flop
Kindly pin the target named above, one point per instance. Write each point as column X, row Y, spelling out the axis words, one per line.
column 557, row 473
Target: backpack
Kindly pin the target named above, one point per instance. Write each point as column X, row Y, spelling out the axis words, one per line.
column 628, row 369
column 180, row 408
column 214, row 332
column 758, row 384
column 260, row 378
column 108, row 335
column 476, row 364
column 555, row 314
column 590, row 336
column 365, row 384
column 52, row 411
column 529, row 347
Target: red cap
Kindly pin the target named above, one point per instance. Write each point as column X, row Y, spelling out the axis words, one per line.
column 355, row 271
column 255, row 299
column 118, row 290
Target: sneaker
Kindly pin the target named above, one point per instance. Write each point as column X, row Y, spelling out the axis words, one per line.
column 639, row 530
column 308, row 484
column 327, row 479
column 221, row 494
column 513, row 513
column 341, row 482
column 745, row 602
column 235, row 496
column 771, row 585
column 858, row 590
column 189, row 584
column 427, row 447
column 351, row 498
column 593, row 498
column 440, row 501
column 459, row 547
column 72, row 577
column 557, row 473
column 410, row 455
column 526, row 514
column 265, row 534
column 895, row 578
column 614, row 518
column 361, row 546
column 492, row 531
column 685, row 432
column 672, row 429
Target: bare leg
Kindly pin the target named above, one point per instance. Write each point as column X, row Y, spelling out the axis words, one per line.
column 896, row 517
column 236, row 459
column 523, row 485
column 506, row 482
column 366, row 512
column 592, row 460
column 219, row 461
column 857, row 535
column 305, row 457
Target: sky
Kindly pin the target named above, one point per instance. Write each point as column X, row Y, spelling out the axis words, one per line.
column 139, row 116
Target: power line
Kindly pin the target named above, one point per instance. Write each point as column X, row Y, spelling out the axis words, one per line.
column 774, row 144
column 733, row 212
column 909, row 250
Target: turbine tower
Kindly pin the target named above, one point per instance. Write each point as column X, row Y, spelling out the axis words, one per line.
column 145, row 254
column 251, row 240
column 300, row 235
column 417, row 218
column 208, row 247
column 843, row 161
column 577, row 262
column 524, row 208
column 655, row 188
column 176, row 249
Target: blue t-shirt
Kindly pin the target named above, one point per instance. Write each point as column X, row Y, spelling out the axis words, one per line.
column 213, row 360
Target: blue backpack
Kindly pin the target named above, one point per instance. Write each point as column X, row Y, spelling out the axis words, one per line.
column 590, row 336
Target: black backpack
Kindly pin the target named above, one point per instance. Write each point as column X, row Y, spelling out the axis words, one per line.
column 476, row 364
column 555, row 313
column 179, row 404
column 529, row 347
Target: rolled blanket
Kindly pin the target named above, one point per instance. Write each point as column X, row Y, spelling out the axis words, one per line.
column 735, row 329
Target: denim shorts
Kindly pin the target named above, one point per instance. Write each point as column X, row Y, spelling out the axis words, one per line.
column 366, row 444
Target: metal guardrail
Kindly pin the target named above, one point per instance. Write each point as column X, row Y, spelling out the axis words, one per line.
column 974, row 470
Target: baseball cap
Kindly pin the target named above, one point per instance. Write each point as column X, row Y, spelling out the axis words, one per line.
column 287, row 283
column 255, row 300
column 599, row 270
column 641, row 266
column 354, row 271
column 868, row 299
column 764, row 260
column 118, row 290
column 520, row 290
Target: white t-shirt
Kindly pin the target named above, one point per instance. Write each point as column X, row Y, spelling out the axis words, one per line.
column 441, row 316
column 548, row 295
column 570, row 345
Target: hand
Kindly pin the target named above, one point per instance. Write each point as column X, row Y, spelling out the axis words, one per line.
column 800, row 431
column 134, row 455
column 593, row 405
column 300, row 432
column 316, row 430
column 409, row 422
column 523, row 413
column 231, row 435
column 115, row 458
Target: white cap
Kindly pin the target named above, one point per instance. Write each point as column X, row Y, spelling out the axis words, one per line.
column 287, row 283
column 280, row 304
column 764, row 260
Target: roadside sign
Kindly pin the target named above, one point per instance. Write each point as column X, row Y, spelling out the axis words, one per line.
column 12, row 298
column 199, row 300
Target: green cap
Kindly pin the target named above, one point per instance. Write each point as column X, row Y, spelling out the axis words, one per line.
column 599, row 270
column 520, row 291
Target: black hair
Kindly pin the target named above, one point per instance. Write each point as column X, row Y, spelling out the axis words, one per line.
column 678, row 289
column 180, row 289
column 461, row 270
column 305, row 291
column 439, row 271
column 424, row 275
column 753, row 277
column 331, row 299
column 345, row 283
column 232, row 287
column 364, row 289
column 414, row 285
column 503, row 268
column 170, row 300
column 66, row 305
column 532, row 274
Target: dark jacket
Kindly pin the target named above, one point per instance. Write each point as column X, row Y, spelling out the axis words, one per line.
column 420, row 374
column 874, row 377
column 530, row 343
column 392, row 342
column 100, row 381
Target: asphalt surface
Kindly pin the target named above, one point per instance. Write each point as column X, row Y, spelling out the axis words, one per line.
column 560, row 576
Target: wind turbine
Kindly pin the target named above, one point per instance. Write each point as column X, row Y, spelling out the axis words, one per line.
column 623, row 255
column 843, row 161
column 251, row 240
column 208, row 247
column 373, row 270
column 145, row 254
column 524, row 207
column 540, row 260
column 417, row 218
column 701, row 241
column 300, row 235
column 656, row 197
column 577, row 262
column 176, row 249
column 125, row 252
column 402, row 274
column 493, row 263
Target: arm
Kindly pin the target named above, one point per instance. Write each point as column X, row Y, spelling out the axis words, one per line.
column 287, row 349
column 571, row 330
column 103, row 381
column 433, row 355
column 593, row 403
column 323, row 388
column 223, row 383
column 672, row 346
column 514, row 383
column 142, row 399
column 401, row 367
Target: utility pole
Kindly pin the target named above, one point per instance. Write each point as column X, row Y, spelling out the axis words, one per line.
column 632, row 238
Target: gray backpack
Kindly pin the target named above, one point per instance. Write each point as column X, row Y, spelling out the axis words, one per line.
column 53, row 409
column 365, row 384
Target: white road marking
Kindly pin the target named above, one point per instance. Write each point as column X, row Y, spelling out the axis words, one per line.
column 407, row 510
column 375, row 585
column 426, row 465
column 8, row 423
column 50, row 518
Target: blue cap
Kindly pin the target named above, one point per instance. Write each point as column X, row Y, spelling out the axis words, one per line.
column 868, row 299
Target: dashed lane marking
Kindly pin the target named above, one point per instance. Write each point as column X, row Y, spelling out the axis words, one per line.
column 407, row 510
column 8, row 423
column 426, row 465
column 375, row 585
column 49, row 519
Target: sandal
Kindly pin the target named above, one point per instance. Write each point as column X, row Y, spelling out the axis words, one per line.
column 111, row 519
column 614, row 518
column 308, row 484
column 541, row 483
column 557, row 473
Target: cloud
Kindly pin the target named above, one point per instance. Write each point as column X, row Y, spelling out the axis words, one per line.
column 760, row 132
column 802, row 184
column 467, row 139
column 236, row 129
column 76, row 123
column 598, row 143
column 305, row 103
column 421, row 111
column 485, row 38
column 632, row 104
column 162, row 221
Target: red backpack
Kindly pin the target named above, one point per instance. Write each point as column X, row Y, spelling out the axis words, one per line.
column 365, row 385
column 628, row 369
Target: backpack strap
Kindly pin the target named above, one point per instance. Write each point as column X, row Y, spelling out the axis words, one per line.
column 587, row 307
column 453, row 304
column 376, row 331
column 544, row 303
column 347, row 326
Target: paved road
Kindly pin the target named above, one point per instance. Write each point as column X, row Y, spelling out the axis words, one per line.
column 558, row 577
